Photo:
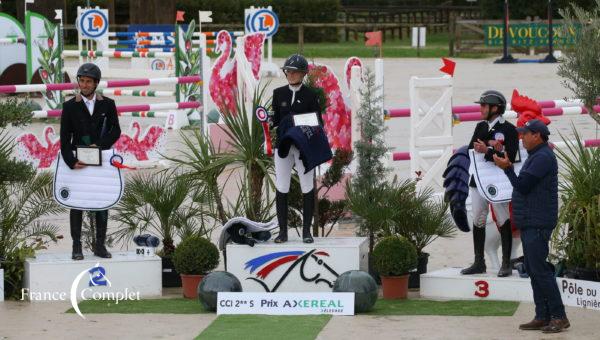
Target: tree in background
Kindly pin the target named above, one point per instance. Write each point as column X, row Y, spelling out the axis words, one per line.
column 520, row 9
column 370, row 180
column 582, row 62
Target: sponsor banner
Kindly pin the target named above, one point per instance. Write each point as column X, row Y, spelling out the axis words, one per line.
column 285, row 303
column 530, row 35
column 579, row 293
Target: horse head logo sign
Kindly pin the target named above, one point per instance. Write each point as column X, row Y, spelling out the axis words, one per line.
column 93, row 23
column 97, row 275
column 307, row 261
column 262, row 21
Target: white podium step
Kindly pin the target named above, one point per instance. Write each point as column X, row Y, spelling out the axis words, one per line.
column 448, row 283
column 295, row 266
column 54, row 277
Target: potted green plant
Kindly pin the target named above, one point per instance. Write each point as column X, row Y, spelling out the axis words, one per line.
column 193, row 258
column 394, row 257
column 163, row 204
column 25, row 202
column 421, row 219
column 577, row 238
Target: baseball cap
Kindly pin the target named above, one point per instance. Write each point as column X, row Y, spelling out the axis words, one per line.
column 535, row 126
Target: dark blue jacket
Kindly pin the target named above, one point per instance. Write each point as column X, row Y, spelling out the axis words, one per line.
column 305, row 101
column 535, row 190
column 311, row 141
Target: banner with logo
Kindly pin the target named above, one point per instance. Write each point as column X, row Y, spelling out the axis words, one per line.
column 92, row 24
column 285, row 303
column 530, row 35
column 579, row 293
column 37, row 41
column 13, row 53
column 261, row 20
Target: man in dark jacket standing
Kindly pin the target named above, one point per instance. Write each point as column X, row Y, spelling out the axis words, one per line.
column 535, row 210
column 89, row 119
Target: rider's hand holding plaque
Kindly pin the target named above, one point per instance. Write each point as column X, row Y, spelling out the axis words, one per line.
column 89, row 155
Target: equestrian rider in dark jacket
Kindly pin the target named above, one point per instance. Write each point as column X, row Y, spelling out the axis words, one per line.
column 89, row 119
column 493, row 135
column 289, row 100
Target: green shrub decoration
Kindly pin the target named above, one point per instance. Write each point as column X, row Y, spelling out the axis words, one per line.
column 394, row 256
column 195, row 255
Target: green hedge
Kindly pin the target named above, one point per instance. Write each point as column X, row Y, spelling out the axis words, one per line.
column 288, row 11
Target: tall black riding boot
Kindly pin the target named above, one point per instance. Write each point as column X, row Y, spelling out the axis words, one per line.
column 308, row 210
column 101, row 227
column 281, row 205
column 506, row 239
column 75, row 221
column 478, row 267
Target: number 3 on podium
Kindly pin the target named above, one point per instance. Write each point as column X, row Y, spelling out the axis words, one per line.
column 482, row 288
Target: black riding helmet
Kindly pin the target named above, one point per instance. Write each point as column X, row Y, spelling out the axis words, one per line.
column 296, row 62
column 89, row 70
column 495, row 98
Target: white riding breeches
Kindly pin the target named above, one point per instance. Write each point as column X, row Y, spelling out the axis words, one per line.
column 283, row 172
column 480, row 209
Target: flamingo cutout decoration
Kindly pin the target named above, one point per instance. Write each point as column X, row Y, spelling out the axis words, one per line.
column 253, row 50
column 352, row 61
column 153, row 139
column 337, row 115
column 30, row 149
column 223, row 77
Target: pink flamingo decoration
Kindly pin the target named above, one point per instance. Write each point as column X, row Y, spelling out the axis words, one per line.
column 337, row 115
column 253, row 50
column 352, row 61
column 151, row 142
column 223, row 78
column 29, row 148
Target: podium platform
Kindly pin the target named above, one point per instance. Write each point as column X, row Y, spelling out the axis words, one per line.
column 295, row 266
column 448, row 283
column 52, row 277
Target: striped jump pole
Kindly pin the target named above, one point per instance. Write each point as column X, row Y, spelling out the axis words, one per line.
column 167, row 34
column 136, row 93
column 125, row 109
column 405, row 156
column 545, row 104
column 559, row 111
column 215, row 33
column 116, row 54
column 140, row 34
column 101, row 85
column 141, row 42
column 145, row 49
column 146, row 114
column 12, row 40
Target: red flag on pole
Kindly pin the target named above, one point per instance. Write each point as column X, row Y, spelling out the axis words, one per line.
column 448, row 67
column 179, row 16
column 373, row 38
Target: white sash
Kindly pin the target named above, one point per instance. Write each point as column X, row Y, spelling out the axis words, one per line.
column 90, row 188
column 492, row 183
